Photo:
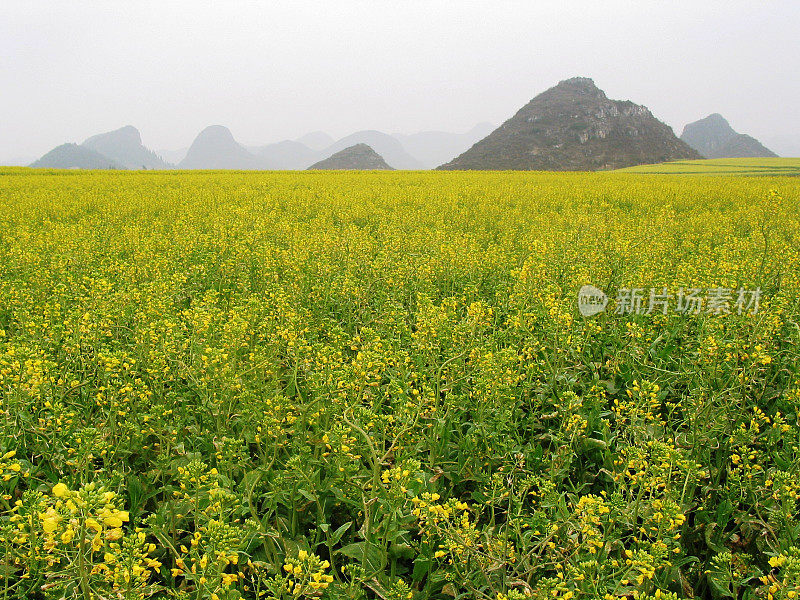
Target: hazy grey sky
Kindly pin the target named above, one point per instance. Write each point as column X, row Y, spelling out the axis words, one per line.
column 275, row 70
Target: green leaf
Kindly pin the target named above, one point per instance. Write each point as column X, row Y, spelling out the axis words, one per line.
column 369, row 555
column 337, row 535
column 421, row 568
column 724, row 511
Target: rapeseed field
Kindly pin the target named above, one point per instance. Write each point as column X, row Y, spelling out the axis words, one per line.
column 344, row 385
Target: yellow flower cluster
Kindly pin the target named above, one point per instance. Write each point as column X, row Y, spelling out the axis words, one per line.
column 89, row 511
column 591, row 511
column 307, row 574
column 785, row 581
column 10, row 468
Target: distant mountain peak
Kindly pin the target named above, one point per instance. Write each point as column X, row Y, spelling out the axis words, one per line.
column 356, row 157
column 124, row 145
column 216, row 148
column 128, row 132
column 580, row 85
column 573, row 126
column 389, row 147
column 73, row 156
column 714, row 128
column 713, row 137
column 219, row 132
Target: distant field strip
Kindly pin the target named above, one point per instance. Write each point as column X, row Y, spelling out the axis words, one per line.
column 724, row 166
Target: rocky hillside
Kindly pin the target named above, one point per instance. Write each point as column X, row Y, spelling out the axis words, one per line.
column 713, row 137
column 575, row 127
column 357, row 157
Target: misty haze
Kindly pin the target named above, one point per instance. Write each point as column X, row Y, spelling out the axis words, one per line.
column 434, row 78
